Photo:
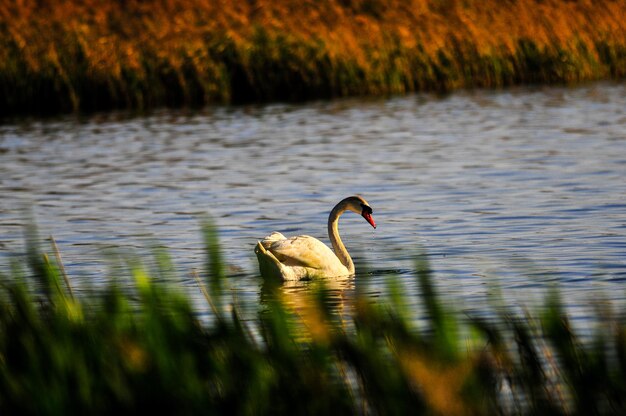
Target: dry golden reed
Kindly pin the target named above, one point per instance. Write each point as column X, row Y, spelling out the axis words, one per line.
column 91, row 54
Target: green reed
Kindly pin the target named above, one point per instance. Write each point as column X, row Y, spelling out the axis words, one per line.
column 141, row 347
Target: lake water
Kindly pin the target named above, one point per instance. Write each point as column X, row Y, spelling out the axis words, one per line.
column 518, row 189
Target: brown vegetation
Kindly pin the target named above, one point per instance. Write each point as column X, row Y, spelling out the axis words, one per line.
column 89, row 54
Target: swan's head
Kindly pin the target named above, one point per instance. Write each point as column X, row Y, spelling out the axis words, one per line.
column 360, row 206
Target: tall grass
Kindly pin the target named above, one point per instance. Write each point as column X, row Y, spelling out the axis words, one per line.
column 144, row 348
column 71, row 55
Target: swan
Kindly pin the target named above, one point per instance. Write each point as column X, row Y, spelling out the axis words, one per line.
column 304, row 257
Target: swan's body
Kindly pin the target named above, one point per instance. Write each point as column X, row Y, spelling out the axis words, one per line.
column 305, row 257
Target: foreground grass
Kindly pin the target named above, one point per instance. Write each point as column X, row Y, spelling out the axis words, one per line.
column 71, row 55
column 125, row 350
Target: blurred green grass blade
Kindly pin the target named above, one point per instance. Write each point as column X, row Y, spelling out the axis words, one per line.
column 214, row 264
column 443, row 322
column 163, row 262
column 145, row 348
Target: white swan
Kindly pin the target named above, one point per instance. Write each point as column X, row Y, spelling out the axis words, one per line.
column 305, row 257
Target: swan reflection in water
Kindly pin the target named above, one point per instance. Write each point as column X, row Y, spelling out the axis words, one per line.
column 335, row 297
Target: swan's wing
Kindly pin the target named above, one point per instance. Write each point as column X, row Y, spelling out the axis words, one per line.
column 303, row 250
column 272, row 238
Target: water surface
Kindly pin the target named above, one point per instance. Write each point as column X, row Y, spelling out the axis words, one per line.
column 523, row 188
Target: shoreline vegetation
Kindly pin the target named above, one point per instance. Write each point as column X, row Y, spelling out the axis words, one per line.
column 86, row 55
column 137, row 347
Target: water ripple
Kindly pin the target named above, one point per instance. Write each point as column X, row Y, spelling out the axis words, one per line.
column 521, row 188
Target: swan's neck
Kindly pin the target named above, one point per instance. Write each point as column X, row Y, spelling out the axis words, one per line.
column 333, row 234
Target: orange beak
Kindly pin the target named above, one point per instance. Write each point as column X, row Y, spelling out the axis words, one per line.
column 368, row 217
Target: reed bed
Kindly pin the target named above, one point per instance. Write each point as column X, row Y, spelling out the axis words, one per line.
column 143, row 347
column 81, row 55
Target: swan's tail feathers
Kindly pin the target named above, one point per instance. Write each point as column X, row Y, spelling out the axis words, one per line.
column 272, row 238
column 268, row 263
column 259, row 249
